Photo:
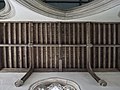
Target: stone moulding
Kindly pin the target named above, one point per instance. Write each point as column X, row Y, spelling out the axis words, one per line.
column 88, row 9
column 8, row 11
column 48, row 84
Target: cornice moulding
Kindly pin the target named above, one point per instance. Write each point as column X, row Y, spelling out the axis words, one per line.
column 94, row 7
column 8, row 11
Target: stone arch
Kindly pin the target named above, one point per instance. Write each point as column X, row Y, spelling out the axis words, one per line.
column 88, row 9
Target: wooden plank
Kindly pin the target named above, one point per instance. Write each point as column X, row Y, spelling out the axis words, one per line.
column 94, row 49
column 104, row 49
column 1, row 49
column 55, row 58
column 4, row 48
column 15, row 50
column 41, row 41
column 21, row 70
column 69, row 47
column 25, row 48
column 82, row 41
column 50, row 37
column 37, row 41
column 109, row 49
column 46, row 42
column 9, row 49
column 114, row 42
column 65, row 42
column 78, row 42
column 99, row 49
column 118, row 37
column 20, row 49
column 60, row 65
column 74, row 55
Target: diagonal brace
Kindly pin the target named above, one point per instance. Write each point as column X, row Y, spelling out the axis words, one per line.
column 88, row 65
column 20, row 82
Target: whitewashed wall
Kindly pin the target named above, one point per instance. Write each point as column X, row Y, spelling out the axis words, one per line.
column 24, row 14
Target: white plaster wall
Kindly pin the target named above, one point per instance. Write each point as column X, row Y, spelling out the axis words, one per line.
column 24, row 14
column 83, row 79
